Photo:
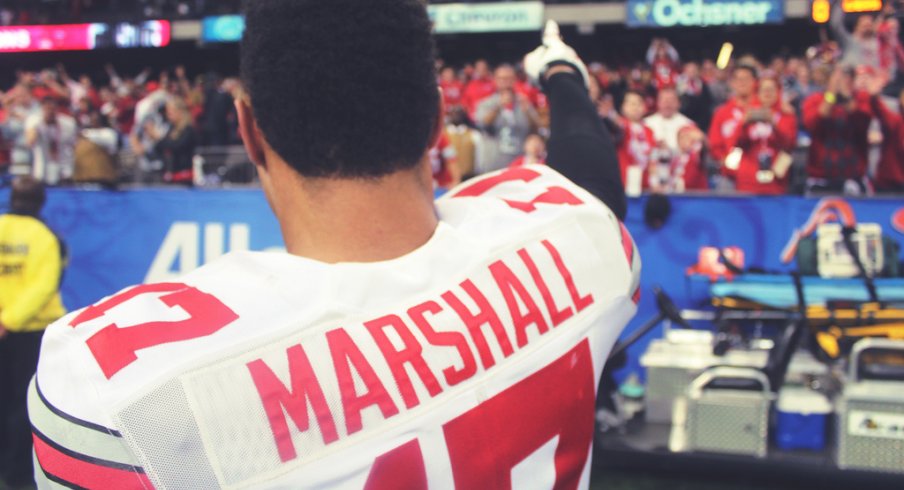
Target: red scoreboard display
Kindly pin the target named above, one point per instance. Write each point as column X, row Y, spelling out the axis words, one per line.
column 84, row 37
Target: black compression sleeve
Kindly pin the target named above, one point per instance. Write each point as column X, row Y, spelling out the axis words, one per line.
column 580, row 146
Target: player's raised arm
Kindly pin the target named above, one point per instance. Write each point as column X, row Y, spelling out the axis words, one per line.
column 580, row 146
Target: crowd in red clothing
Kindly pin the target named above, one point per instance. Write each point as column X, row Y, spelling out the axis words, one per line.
column 678, row 127
column 475, row 83
column 750, row 127
column 806, row 123
column 160, row 120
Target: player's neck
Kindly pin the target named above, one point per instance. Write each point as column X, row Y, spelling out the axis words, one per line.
column 333, row 220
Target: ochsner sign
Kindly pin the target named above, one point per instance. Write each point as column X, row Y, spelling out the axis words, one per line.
column 486, row 17
column 702, row 13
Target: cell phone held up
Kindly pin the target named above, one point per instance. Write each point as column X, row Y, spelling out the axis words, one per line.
column 758, row 115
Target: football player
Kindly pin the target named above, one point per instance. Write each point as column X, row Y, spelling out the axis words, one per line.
column 401, row 342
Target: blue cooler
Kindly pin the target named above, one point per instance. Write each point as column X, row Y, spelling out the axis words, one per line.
column 802, row 418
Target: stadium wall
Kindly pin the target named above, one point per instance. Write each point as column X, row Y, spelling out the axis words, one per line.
column 117, row 239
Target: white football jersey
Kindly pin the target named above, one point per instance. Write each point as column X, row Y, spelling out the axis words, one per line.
column 472, row 362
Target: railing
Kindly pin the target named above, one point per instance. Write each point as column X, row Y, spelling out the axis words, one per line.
column 223, row 165
column 214, row 166
column 229, row 166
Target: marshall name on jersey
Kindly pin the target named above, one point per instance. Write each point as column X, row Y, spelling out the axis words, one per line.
column 471, row 362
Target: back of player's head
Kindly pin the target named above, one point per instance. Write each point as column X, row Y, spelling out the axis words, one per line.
column 27, row 196
column 342, row 88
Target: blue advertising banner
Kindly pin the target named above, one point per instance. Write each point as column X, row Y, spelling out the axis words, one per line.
column 222, row 29
column 117, row 239
column 703, row 13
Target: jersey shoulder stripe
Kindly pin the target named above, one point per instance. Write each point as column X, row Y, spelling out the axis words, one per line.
column 633, row 261
column 77, row 470
column 67, row 417
column 77, row 454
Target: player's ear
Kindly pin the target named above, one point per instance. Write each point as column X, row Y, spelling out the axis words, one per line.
column 440, row 122
column 248, row 130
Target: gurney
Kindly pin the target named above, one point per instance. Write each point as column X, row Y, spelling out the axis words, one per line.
column 838, row 311
column 777, row 292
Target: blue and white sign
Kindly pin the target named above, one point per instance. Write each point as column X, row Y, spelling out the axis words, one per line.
column 704, row 13
column 223, row 29
column 487, row 17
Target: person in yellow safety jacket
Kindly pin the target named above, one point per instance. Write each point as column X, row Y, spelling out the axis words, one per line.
column 32, row 259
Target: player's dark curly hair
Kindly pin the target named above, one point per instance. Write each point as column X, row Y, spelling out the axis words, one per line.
column 342, row 88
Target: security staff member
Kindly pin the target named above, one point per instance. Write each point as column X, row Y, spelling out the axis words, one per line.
column 31, row 267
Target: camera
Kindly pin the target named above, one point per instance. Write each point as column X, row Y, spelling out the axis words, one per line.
column 765, row 175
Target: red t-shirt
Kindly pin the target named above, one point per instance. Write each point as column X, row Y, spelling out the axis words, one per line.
column 635, row 148
column 665, row 73
column 687, row 168
column 441, row 157
column 94, row 98
column 452, row 92
column 890, row 175
column 840, row 146
column 125, row 118
column 532, row 93
column 475, row 91
column 763, row 140
column 724, row 126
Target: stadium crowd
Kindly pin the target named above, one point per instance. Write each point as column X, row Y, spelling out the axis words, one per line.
column 829, row 121
column 71, row 129
column 691, row 126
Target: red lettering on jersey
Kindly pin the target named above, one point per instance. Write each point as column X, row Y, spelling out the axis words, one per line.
column 346, row 355
column 481, row 187
column 510, row 285
column 580, row 302
column 278, row 401
column 403, row 467
column 629, row 247
column 553, row 195
column 475, row 321
column 445, row 339
column 556, row 315
column 627, row 244
column 568, row 388
column 94, row 312
column 412, row 354
column 115, row 348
